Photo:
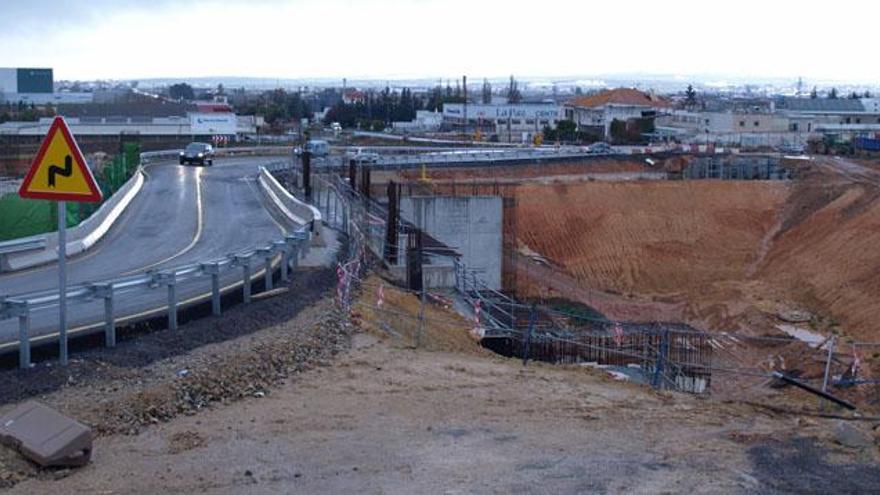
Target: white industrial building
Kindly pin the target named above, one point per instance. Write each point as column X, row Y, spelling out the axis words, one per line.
column 512, row 122
column 785, row 121
column 34, row 86
column 425, row 121
column 743, row 128
column 847, row 117
column 194, row 124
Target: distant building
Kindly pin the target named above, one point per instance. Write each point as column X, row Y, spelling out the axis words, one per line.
column 425, row 121
column 351, row 96
column 597, row 111
column 192, row 124
column 34, row 86
column 742, row 128
column 842, row 116
column 212, row 106
column 512, row 122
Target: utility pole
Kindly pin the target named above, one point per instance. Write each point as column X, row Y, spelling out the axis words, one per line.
column 307, row 174
column 464, row 84
column 391, row 224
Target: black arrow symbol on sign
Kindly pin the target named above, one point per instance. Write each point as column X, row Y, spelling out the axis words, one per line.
column 67, row 171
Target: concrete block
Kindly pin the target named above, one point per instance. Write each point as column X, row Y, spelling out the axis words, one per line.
column 46, row 436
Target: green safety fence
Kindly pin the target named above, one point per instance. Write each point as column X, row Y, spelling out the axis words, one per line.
column 25, row 217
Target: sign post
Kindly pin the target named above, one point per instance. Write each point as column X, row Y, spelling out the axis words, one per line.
column 72, row 181
column 62, row 282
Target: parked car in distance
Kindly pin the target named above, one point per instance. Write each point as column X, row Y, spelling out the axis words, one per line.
column 201, row 153
column 792, row 148
column 361, row 155
column 317, row 147
column 599, row 147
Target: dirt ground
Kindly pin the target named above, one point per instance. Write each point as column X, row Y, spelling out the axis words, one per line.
column 382, row 417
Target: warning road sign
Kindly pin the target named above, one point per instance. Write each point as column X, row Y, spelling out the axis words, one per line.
column 59, row 172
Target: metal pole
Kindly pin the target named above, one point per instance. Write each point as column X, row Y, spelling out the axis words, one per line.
column 421, row 313
column 246, row 279
column 285, row 264
column 109, row 323
column 24, row 342
column 172, row 306
column 827, row 371
column 62, row 282
column 813, row 390
column 295, row 255
column 661, row 357
column 215, row 294
column 268, row 272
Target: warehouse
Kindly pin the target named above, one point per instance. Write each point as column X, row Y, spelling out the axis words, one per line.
column 34, row 86
column 512, row 122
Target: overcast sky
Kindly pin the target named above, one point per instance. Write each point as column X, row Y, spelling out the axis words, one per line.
column 124, row 39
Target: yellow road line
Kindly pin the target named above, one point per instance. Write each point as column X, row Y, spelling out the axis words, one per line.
column 196, row 238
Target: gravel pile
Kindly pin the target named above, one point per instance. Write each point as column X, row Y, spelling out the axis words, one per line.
column 251, row 373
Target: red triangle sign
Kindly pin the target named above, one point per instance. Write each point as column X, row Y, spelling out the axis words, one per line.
column 59, row 171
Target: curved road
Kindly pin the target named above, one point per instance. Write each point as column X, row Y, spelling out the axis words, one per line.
column 182, row 215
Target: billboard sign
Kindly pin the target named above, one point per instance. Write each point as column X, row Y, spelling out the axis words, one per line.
column 224, row 123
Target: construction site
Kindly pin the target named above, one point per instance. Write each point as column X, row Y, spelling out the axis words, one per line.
column 765, row 260
column 510, row 325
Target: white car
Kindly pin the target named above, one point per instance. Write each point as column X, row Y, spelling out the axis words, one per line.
column 363, row 156
column 315, row 147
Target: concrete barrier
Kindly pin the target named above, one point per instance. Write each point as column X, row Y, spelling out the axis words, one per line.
column 83, row 236
column 294, row 209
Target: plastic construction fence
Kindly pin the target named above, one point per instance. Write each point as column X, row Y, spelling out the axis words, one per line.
column 26, row 217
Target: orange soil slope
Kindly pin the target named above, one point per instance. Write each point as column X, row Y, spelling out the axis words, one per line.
column 721, row 255
column 831, row 260
column 649, row 237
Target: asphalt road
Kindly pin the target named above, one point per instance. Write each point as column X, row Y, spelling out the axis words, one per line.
column 182, row 215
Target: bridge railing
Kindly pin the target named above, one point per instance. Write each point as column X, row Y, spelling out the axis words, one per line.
column 483, row 156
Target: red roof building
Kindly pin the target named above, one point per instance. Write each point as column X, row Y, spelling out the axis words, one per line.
column 598, row 110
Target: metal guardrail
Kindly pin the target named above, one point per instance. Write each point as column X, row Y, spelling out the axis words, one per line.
column 21, row 305
column 9, row 185
column 21, row 245
column 483, row 156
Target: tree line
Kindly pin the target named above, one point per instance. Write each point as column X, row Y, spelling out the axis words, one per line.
column 377, row 110
column 25, row 112
column 277, row 107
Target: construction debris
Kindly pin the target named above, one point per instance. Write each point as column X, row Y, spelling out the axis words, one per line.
column 814, row 390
